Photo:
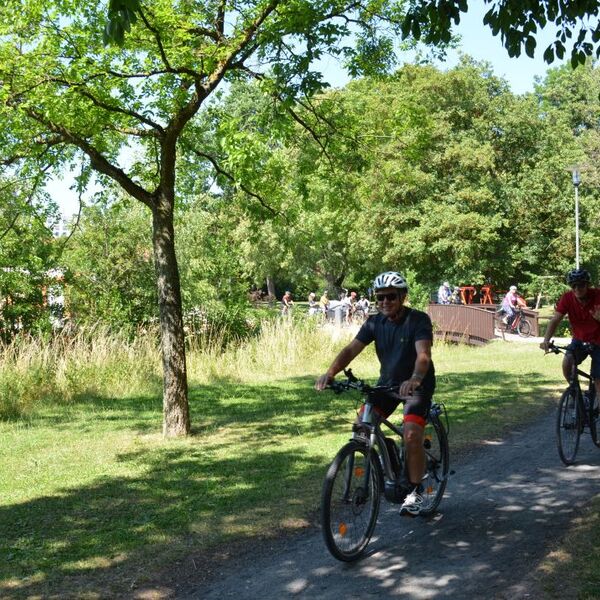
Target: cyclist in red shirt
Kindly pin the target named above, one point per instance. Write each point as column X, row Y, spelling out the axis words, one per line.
column 582, row 305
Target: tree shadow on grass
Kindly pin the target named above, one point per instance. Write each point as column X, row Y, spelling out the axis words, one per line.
column 213, row 487
column 106, row 539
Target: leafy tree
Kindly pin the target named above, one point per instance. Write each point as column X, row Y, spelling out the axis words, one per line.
column 456, row 178
column 516, row 22
column 68, row 99
column 570, row 101
column 27, row 252
column 209, row 258
column 109, row 275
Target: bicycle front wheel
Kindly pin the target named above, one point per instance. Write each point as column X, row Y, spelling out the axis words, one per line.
column 524, row 328
column 437, row 458
column 349, row 502
column 594, row 419
column 568, row 426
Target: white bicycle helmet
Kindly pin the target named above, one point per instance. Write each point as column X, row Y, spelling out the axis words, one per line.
column 390, row 279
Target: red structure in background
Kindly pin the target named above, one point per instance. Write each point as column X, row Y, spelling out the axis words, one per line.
column 486, row 294
column 467, row 293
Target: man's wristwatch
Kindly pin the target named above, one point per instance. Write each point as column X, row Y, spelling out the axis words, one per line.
column 417, row 376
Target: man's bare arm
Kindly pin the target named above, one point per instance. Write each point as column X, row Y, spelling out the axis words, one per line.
column 552, row 325
column 340, row 362
column 423, row 348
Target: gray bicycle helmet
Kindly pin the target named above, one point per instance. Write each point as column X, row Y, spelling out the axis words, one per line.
column 390, row 279
column 578, row 276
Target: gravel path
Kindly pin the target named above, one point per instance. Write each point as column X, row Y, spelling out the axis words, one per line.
column 508, row 503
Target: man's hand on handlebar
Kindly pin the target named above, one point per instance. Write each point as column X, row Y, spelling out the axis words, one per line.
column 409, row 386
column 548, row 347
column 323, row 381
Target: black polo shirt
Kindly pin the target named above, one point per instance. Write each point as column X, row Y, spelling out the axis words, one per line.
column 395, row 346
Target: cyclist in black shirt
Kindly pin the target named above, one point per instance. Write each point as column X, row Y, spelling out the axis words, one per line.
column 403, row 338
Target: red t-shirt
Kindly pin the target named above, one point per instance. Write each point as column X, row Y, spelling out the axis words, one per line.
column 584, row 327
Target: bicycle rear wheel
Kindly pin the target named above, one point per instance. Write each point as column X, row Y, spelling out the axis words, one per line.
column 524, row 328
column 437, row 465
column 349, row 508
column 568, row 426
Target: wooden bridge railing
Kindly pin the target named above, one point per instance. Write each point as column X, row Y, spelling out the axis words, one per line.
column 469, row 323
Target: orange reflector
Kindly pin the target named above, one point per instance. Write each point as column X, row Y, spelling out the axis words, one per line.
column 359, row 471
column 429, row 490
column 342, row 529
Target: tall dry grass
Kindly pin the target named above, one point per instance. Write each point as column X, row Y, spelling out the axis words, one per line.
column 100, row 363
column 94, row 362
column 284, row 347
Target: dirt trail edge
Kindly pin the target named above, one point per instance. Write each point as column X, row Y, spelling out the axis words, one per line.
column 507, row 505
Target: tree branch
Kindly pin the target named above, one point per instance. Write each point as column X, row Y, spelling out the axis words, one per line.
column 295, row 116
column 122, row 111
column 231, row 178
column 28, row 200
column 99, row 162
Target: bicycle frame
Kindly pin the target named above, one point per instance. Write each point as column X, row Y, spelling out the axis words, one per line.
column 370, row 425
column 516, row 321
column 576, row 373
column 575, row 385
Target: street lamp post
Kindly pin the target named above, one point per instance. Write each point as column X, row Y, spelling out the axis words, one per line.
column 576, row 181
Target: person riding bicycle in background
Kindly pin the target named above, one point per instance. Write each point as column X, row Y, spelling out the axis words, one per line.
column 582, row 306
column 403, row 337
column 510, row 304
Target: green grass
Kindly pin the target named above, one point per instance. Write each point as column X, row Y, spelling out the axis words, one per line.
column 575, row 564
column 93, row 501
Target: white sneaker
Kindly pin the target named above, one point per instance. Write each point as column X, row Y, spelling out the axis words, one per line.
column 412, row 503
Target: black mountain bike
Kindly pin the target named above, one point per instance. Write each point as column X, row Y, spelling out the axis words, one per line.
column 576, row 411
column 371, row 464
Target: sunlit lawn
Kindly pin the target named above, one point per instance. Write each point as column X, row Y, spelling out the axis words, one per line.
column 93, row 500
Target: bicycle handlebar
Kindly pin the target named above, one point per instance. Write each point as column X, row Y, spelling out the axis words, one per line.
column 353, row 383
column 552, row 347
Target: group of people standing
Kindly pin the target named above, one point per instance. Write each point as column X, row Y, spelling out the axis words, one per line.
column 447, row 294
column 349, row 304
column 511, row 302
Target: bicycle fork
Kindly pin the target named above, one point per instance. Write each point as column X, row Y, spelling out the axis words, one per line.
column 350, row 472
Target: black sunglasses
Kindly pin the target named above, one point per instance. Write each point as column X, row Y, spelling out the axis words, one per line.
column 390, row 297
column 578, row 285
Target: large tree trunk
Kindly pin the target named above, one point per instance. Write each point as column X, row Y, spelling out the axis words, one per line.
column 270, row 287
column 176, row 414
column 334, row 283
